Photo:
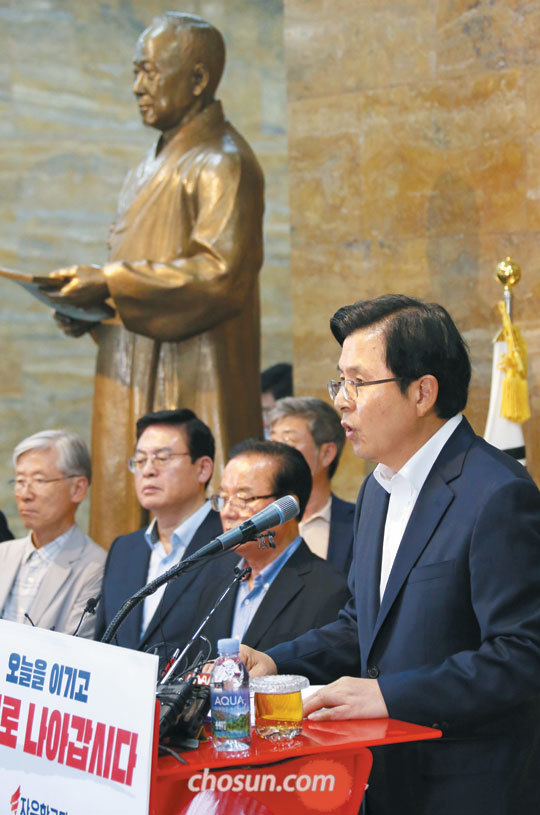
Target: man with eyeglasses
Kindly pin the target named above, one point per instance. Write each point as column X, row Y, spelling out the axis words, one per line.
column 172, row 465
column 290, row 590
column 443, row 628
column 314, row 427
column 186, row 247
column 47, row 577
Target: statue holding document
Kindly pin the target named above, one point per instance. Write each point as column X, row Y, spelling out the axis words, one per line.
column 181, row 282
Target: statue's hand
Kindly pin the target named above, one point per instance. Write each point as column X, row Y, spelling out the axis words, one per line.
column 83, row 286
column 72, row 327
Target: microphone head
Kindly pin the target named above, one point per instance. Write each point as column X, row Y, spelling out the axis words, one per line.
column 279, row 512
column 288, row 507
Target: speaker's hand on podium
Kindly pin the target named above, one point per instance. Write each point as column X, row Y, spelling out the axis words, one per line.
column 257, row 662
column 347, row 698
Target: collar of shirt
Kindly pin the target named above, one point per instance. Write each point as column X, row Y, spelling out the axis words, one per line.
column 160, row 561
column 48, row 552
column 270, row 572
column 415, row 471
column 182, row 535
column 323, row 513
column 248, row 600
column 404, row 488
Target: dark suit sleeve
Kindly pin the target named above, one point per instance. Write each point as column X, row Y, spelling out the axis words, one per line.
column 324, row 654
column 331, row 602
column 504, row 577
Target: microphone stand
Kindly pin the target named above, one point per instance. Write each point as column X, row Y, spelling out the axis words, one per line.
column 150, row 588
column 239, row 575
column 90, row 608
column 174, row 697
column 282, row 510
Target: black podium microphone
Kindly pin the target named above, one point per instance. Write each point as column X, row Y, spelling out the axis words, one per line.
column 279, row 512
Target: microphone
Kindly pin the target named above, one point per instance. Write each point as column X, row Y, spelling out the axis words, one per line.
column 92, row 604
column 279, row 512
column 90, row 608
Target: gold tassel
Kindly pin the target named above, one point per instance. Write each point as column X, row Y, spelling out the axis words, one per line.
column 515, row 394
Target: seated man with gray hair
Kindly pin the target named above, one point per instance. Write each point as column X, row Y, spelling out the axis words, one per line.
column 47, row 577
column 314, row 427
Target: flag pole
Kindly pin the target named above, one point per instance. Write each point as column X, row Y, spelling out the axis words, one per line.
column 508, row 400
column 515, row 396
column 508, row 273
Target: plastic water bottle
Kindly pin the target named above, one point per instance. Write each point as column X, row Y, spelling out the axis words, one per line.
column 229, row 699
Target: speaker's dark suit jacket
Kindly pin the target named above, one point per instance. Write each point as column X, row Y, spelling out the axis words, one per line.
column 340, row 542
column 307, row 593
column 180, row 610
column 456, row 641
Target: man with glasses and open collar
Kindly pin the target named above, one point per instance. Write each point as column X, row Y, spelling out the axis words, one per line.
column 47, row 577
column 172, row 465
column 443, row 627
column 314, row 427
column 290, row 589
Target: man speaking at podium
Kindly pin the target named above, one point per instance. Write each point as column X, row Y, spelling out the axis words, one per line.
column 443, row 628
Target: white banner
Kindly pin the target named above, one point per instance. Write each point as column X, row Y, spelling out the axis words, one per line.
column 76, row 725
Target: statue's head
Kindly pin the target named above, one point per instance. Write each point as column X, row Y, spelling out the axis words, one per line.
column 178, row 63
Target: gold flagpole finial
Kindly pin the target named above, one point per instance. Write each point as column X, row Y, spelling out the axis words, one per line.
column 515, row 395
column 508, row 273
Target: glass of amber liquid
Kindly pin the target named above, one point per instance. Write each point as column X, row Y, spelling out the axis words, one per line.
column 278, row 705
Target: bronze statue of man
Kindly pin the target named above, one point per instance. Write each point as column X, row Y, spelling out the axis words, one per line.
column 185, row 251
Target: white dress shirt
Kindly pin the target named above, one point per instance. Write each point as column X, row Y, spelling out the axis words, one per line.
column 404, row 488
column 160, row 561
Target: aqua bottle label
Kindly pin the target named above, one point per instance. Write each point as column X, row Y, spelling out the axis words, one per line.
column 230, row 713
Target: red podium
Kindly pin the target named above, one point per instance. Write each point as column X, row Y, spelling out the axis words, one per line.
column 325, row 769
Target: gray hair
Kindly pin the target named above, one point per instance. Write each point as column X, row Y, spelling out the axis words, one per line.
column 324, row 422
column 73, row 455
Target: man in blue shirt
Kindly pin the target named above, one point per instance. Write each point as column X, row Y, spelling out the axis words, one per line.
column 172, row 465
column 290, row 589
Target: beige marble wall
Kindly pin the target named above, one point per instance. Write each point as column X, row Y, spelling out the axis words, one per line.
column 414, row 166
column 69, row 131
column 414, row 159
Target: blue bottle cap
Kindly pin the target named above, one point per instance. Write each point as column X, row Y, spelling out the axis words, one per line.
column 228, row 645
